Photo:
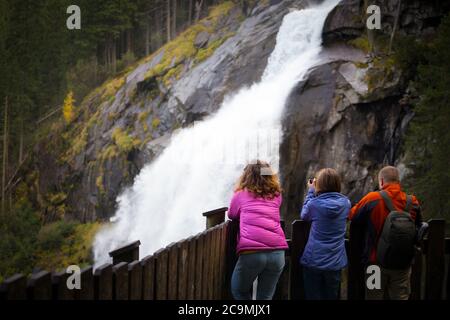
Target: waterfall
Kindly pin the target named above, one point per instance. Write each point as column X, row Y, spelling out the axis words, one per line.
column 199, row 168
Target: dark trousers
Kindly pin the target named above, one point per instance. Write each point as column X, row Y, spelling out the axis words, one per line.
column 321, row 284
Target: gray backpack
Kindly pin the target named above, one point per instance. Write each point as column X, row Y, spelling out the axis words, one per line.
column 397, row 241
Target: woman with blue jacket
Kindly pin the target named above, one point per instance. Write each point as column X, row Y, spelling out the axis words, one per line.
column 324, row 256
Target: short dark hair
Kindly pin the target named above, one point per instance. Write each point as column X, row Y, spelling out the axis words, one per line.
column 328, row 180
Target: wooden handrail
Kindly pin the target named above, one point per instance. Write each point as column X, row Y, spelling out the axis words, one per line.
column 214, row 217
column 127, row 253
column 201, row 266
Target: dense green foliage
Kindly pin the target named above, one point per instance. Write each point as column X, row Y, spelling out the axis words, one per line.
column 46, row 71
column 428, row 138
column 41, row 60
column 18, row 235
column 25, row 244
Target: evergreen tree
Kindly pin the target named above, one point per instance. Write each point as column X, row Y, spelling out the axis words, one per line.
column 428, row 139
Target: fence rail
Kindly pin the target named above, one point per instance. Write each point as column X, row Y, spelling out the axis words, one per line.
column 201, row 266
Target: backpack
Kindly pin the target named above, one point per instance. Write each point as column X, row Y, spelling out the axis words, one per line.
column 396, row 245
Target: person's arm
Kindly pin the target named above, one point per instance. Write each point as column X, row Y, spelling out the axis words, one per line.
column 305, row 213
column 234, row 209
column 363, row 208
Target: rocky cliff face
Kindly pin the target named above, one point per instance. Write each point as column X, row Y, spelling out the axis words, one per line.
column 347, row 114
column 331, row 120
column 352, row 111
column 79, row 169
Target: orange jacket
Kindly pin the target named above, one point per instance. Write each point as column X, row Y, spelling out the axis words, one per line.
column 372, row 211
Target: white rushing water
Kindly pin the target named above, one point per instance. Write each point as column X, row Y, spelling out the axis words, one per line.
column 199, row 168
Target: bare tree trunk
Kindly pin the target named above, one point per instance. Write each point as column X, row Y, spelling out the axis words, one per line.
column 156, row 34
column 114, row 56
column 198, row 9
column 21, row 142
column 95, row 69
column 394, row 28
column 190, row 13
column 147, row 34
column 129, row 41
column 108, row 55
column 169, row 34
column 105, row 55
column 108, row 61
column 174, row 19
column 5, row 154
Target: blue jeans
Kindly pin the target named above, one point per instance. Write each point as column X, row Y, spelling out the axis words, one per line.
column 321, row 284
column 266, row 266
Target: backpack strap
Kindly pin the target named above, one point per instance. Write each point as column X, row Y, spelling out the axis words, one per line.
column 408, row 203
column 387, row 200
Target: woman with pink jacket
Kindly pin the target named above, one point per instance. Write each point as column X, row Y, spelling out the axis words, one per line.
column 261, row 241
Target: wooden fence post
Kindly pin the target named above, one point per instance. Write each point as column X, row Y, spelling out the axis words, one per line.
column 215, row 217
column 192, row 249
column 172, row 272
column 222, row 260
column 39, row 286
column 14, row 288
column 128, row 253
column 211, row 271
column 299, row 238
column 148, row 278
column 206, row 264
column 183, row 269
column 135, row 280
column 356, row 273
column 161, row 257
column 435, row 259
column 230, row 256
column 416, row 275
column 103, row 282
column 60, row 289
column 199, row 274
column 87, row 285
column 120, row 281
column 217, row 284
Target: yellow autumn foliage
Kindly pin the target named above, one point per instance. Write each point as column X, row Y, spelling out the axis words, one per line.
column 69, row 108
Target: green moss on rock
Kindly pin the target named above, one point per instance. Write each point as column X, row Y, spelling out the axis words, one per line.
column 361, row 43
column 183, row 46
column 155, row 123
column 124, row 141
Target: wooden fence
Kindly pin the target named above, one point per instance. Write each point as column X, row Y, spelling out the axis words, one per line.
column 200, row 268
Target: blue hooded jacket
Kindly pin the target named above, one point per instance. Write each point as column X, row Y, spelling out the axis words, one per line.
column 328, row 214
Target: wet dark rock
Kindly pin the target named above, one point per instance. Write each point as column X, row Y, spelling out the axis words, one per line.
column 330, row 121
column 344, row 22
column 417, row 17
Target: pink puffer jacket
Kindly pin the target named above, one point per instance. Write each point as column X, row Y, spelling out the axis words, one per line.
column 259, row 222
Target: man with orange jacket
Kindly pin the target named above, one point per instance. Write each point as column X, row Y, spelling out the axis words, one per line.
column 372, row 211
